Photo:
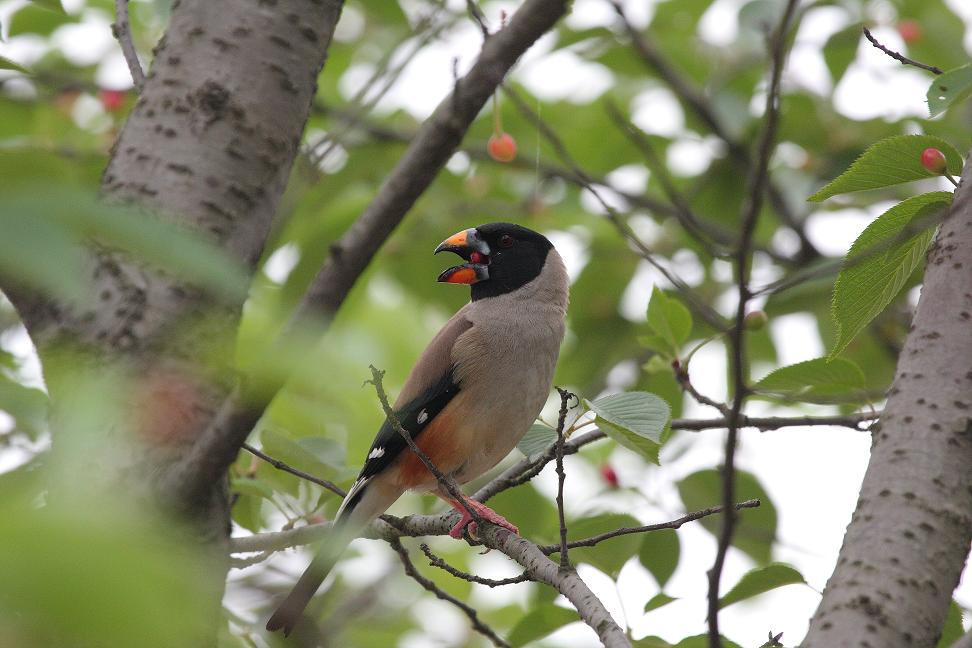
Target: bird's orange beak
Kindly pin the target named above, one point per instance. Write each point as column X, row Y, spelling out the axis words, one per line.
column 473, row 249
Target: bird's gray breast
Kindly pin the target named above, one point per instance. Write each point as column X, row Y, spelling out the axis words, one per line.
column 505, row 366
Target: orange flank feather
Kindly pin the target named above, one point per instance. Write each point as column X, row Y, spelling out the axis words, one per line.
column 440, row 443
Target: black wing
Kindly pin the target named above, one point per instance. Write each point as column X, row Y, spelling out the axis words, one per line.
column 414, row 416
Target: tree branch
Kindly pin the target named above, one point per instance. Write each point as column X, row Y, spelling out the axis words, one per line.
column 674, row 524
column 436, row 561
column 429, row 586
column 756, row 184
column 121, row 30
column 696, row 304
column 699, row 104
column 279, row 465
column 565, row 397
column 897, row 56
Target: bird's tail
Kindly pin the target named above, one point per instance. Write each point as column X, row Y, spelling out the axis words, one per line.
column 357, row 511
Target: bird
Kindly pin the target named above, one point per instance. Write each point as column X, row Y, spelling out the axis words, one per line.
column 471, row 396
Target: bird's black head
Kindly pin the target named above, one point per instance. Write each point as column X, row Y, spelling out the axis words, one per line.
column 500, row 257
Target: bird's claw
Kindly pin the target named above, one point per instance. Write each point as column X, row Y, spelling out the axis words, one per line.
column 468, row 525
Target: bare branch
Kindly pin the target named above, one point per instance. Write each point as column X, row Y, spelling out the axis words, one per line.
column 682, row 377
column 696, row 304
column 674, row 524
column 565, row 397
column 431, row 148
column 756, row 184
column 279, row 465
column 699, row 104
column 706, row 233
column 566, row 581
column 121, row 30
column 436, row 561
column 897, row 56
column 429, row 586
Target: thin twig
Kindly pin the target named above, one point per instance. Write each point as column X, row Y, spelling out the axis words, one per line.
column 429, row 586
column 478, row 17
column 696, row 304
column 444, row 480
column 674, row 524
column 279, row 465
column 755, row 186
column 565, row 397
column 121, row 30
column 682, row 376
column 525, row 470
column 697, row 102
column 436, row 561
column 897, row 56
column 705, row 233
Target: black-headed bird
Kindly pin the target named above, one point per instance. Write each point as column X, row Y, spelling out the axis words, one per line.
column 472, row 395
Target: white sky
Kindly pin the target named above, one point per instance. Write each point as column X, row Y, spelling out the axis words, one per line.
column 813, row 511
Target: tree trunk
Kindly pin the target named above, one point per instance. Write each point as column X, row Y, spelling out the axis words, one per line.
column 209, row 145
column 907, row 542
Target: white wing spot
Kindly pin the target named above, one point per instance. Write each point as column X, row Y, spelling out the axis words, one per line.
column 377, row 453
column 423, row 417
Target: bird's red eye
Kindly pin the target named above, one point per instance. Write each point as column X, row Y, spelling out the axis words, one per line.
column 506, row 241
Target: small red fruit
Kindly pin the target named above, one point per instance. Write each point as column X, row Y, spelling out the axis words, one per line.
column 112, row 100
column 502, row 147
column 933, row 160
column 609, row 476
column 910, row 31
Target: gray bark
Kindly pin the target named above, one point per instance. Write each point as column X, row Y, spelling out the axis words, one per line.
column 907, row 542
column 209, row 145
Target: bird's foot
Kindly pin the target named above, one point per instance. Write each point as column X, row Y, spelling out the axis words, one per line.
column 466, row 522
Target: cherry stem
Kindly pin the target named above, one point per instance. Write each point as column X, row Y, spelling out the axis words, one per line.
column 497, row 120
column 949, row 177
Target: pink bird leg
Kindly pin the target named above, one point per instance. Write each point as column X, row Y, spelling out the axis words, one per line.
column 483, row 511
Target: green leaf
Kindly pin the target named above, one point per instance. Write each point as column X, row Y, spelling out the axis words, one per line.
column 7, row 64
column 126, row 581
column 537, row 439
column 45, row 238
column 284, row 449
column 540, row 622
column 328, row 451
column 889, row 162
column 650, row 642
column 636, row 420
column 608, row 556
column 702, row 641
column 815, row 381
column 251, row 486
column 247, row 512
column 952, row 629
column 945, row 89
column 880, row 262
column 669, row 319
column 27, row 405
column 755, row 529
column 32, row 19
column 840, row 50
column 659, row 554
column 760, row 580
column 51, row 5
column 658, row 600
